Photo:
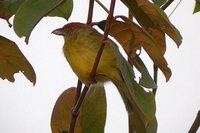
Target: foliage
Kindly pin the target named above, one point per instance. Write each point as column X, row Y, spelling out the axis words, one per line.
column 148, row 34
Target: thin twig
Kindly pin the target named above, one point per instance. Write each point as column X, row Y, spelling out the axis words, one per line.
column 76, row 109
column 155, row 77
column 169, row 2
column 102, row 5
column 196, row 124
column 78, row 91
column 80, row 96
column 175, row 8
column 90, row 12
column 74, row 117
column 104, row 38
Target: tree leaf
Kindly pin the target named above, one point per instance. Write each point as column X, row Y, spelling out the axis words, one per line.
column 12, row 61
column 151, row 16
column 10, row 6
column 146, row 80
column 132, row 38
column 25, row 20
column 152, row 127
column 61, row 115
column 63, row 10
column 197, row 7
column 92, row 116
column 145, row 100
column 93, row 111
column 159, row 2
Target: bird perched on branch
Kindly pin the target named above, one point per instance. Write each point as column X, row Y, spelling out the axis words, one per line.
column 81, row 46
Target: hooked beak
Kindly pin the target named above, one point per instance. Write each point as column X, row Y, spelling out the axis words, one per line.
column 58, row 32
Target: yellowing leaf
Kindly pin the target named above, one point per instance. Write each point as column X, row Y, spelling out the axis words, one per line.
column 151, row 16
column 12, row 61
column 132, row 37
column 92, row 115
column 61, row 115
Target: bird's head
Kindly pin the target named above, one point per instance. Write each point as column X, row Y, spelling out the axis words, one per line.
column 70, row 28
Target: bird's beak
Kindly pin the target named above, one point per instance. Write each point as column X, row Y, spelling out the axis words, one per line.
column 58, row 32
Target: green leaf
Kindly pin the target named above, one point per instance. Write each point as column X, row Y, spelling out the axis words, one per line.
column 135, row 123
column 64, row 10
column 30, row 13
column 93, row 111
column 145, row 100
column 152, row 127
column 146, row 79
column 197, row 7
column 10, row 6
column 159, row 2
column 12, row 61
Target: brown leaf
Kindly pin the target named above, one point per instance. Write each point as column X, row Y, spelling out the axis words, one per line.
column 92, row 115
column 61, row 115
column 159, row 18
column 12, row 61
column 132, row 37
column 150, row 16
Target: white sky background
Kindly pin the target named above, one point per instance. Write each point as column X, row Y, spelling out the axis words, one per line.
column 27, row 109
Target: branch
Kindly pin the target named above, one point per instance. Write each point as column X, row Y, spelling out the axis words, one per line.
column 78, row 91
column 196, row 124
column 90, row 12
column 102, row 5
column 155, row 77
column 104, row 38
column 76, row 109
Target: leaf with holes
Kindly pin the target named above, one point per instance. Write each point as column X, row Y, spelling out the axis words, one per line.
column 12, row 61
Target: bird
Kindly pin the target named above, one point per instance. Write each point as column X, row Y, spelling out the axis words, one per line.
column 81, row 45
